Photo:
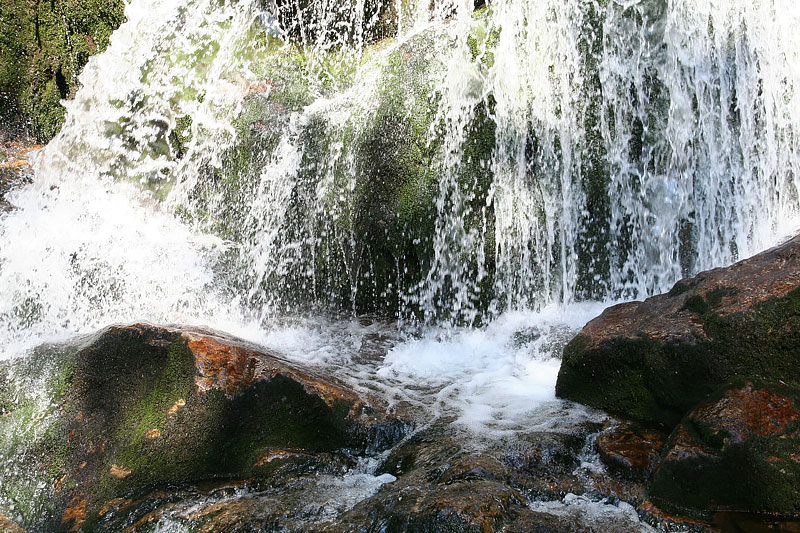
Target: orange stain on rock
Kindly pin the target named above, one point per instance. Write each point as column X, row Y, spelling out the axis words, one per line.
column 119, row 472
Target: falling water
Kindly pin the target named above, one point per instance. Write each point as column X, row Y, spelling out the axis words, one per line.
column 233, row 163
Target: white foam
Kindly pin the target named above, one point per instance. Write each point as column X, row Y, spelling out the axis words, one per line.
column 491, row 379
column 595, row 512
column 71, row 266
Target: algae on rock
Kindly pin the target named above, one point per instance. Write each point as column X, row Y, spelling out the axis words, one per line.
column 43, row 47
column 139, row 407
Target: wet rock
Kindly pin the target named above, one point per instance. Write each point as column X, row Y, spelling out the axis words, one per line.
column 441, row 486
column 428, row 483
column 15, row 166
column 8, row 526
column 479, row 506
column 137, row 407
column 738, row 452
column 755, row 523
column 529, row 521
column 472, row 468
column 670, row 522
column 545, row 452
column 657, row 359
column 631, row 451
column 44, row 47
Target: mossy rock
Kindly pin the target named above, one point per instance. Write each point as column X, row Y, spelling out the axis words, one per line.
column 655, row 360
column 363, row 198
column 139, row 408
column 390, row 213
column 739, row 451
column 43, row 48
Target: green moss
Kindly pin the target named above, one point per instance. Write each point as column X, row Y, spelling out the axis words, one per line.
column 43, row 48
column 637, row 378
column 34, row 446
column 175, row 382
column 756, row 475
column 72, row 415
column 679, row 288
column 696, row 304
column 715, row 296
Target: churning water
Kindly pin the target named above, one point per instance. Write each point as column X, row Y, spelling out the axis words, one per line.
column 485, row 178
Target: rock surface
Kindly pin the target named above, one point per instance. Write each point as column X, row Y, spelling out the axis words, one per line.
column 142, row 427
column 430, row 482
column 140, row 407
column 15, row 166
column 630, row 450
column 43, row 48
column 737, row 452
column 655, row 360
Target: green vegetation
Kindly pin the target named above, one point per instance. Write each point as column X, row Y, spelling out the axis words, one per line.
column 44, row 45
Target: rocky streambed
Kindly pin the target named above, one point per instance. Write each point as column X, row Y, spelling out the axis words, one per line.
column 142, row 428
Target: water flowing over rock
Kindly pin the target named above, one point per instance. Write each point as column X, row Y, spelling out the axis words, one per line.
column 466, row 164
column 417, row 202
column 15, row 167
column 655, row 360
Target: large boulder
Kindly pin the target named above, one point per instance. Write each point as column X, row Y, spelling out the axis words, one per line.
column 737, row 452
column 140, row 408
column 655, row 360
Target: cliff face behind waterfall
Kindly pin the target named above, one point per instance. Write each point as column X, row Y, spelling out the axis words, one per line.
column 43, row 48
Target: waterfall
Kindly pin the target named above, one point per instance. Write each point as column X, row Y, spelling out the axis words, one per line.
column 225, row 163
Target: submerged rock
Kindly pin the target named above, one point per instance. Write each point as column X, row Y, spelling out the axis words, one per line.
column 655, row 360
column 140, row 407
column 737, row 452
column 444, row 486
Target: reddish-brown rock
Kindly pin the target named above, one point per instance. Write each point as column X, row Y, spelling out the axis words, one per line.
column 734, row 453
column 141, row 406
column 630, row 450
column 655, row 360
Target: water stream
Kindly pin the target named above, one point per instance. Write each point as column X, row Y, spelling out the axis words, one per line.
column 426, row 199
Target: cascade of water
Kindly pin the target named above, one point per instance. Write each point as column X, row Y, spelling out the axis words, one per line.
column 86, row 245
column 524, row 154
column 536, row 81
column 700, row 115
